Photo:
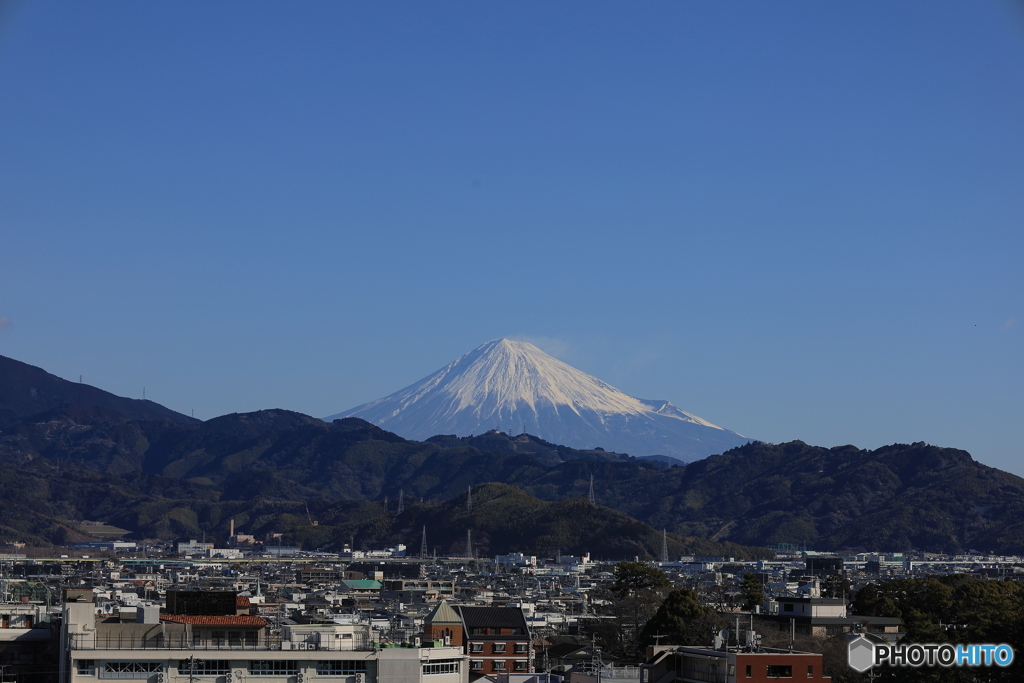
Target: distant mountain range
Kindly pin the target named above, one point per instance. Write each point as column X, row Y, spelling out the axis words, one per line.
column 513, row 385
column 172, row 477
column 28, row 390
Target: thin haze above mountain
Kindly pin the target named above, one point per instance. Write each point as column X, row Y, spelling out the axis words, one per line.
column 513, row 386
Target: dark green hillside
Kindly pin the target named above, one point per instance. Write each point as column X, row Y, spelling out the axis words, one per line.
column 28, row 390
column 172, row 478
column 896, row 497
column 503, row 519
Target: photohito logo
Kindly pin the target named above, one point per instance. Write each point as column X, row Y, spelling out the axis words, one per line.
column 864, row 654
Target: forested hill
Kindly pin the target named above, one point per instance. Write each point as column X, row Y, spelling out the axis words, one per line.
column 28, row 390
column 898, row 497
column 171, row 478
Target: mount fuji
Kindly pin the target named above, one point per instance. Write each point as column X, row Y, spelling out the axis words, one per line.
column 512, row 384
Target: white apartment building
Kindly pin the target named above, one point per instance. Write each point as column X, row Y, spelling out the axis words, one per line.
column 239, row 649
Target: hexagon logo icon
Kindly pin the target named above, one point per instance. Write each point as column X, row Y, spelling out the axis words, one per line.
column 861, row 654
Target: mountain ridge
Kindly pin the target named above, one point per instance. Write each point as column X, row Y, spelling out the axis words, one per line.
column 28, row 390
column 169, row 478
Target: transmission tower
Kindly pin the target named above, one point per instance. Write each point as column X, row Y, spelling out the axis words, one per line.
column 469, row 497
column 590, row 496
column 469, row 543
column 385, row 505
column 664, row 545
column 423, row 543
column 401, row 501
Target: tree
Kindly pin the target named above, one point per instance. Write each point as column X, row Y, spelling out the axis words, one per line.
column 682, row 620
column 753, row 591
column 638, row 576
column 638, row 591
column 834, row 587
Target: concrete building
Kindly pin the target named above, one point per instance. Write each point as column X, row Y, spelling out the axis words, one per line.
column 239, row 649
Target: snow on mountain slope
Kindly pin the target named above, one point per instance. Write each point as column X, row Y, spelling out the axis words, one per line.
column 514, row 386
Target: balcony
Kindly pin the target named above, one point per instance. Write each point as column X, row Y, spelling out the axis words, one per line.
column 184, row 642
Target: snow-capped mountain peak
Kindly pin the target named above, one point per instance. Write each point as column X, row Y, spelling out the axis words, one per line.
column 515, row 384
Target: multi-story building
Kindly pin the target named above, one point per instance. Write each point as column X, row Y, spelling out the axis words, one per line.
column 817, row 616
column 228, row 648
column 496, row 639
column 417, row 590
column 677, row 664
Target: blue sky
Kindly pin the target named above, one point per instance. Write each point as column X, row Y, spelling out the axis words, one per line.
column 798, row 220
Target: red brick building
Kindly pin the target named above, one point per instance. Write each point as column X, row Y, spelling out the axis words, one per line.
column 496, row 639
column 677, row 664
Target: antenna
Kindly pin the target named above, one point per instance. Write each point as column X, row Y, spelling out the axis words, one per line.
column 590, row 496
column 401, row 501
column 423, row 544
column 664, row 549
column 469, row 497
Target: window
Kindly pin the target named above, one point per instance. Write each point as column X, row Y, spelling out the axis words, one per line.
column 476, row 647
column 780, row 671
column 498, row 647
column 203, row 667
column 787, row 607
column 498, row 665
column 217, row 637
column 235, row 638
column 340, row 667
column 85, row 667
column 810, row 671
column 520, row 647
column 750, row 673
column 520, row 665
column 263, row 667
column 130, row 669
column 441, row 666
column 476, row 665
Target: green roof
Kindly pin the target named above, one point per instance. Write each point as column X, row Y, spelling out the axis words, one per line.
column 443, row 614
